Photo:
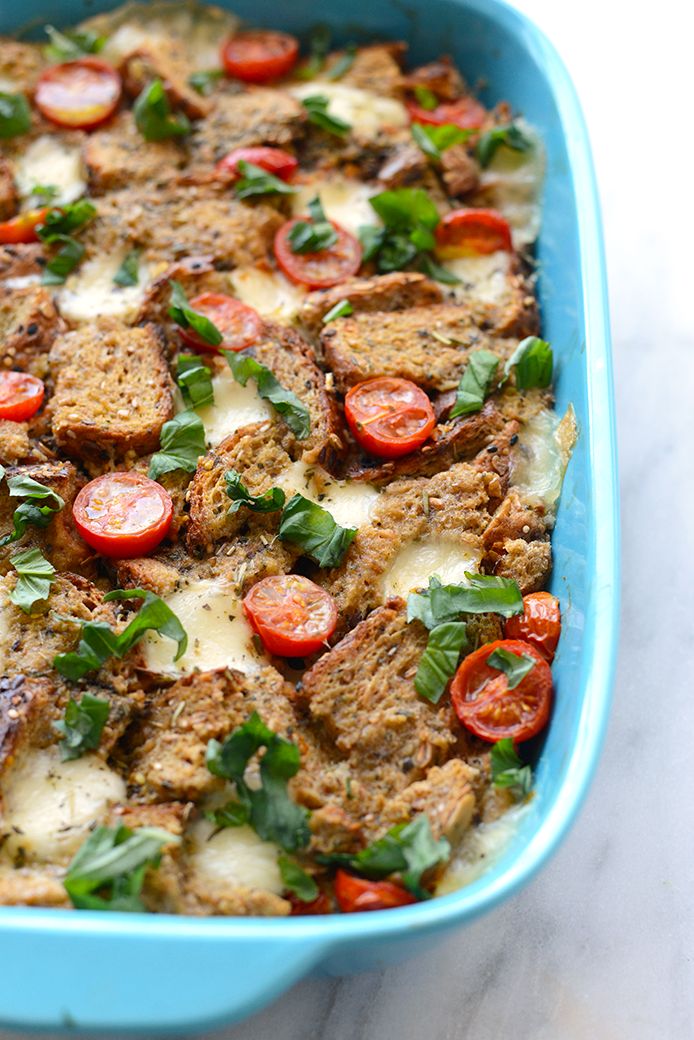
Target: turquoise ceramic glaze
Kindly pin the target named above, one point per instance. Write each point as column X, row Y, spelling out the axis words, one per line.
column 115, row 971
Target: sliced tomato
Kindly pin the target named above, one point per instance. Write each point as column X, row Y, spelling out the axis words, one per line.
column 123, row 514
column 238, row 323
column 465, row 112
column 472, row 232
column 21, row 395
column 389, row 417
column 319, row 905
column 539, row 624
column 22, row 228
column 354, row 894
column 292, row 615
column 79, row 94
column 488, row 708
column 323, row 268
column 260, row 55
column 274, row 160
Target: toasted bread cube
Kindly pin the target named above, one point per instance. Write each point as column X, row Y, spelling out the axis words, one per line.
column 29, row 324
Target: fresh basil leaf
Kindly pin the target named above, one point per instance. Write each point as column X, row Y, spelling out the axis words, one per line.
column 438, row 272
column 440, row 659
column 65, row 260
column 188, row 318
column 82, row 725
column 372, row 239
column 34, row 578
column 316, row 108
column 396, row 252
column 271, row 811
column 194, row 381
column 343, row 64
column 98, row 642
column 532, row 362
column 484, row 593
column 232, row 814
column 409, row 216
column 405, row 208
column 129, row 271
column 434, row 140
column 44, row 193
column 268, row 502
column 296, row 880
column 71, row 45
column 287, row 404
column 313, row 529
column 30, row 513
column 63, row 220
column 514, row 666
column 508, row 769
column 256, row 181
column 319, row 45
column 203, row 82
column 310, row 236
column 419, row 605
column 182, row 442
column 15, row 115
column 426, row 98
column 342, row 309
column 511, row 136
column 475, row 383
column 108, row 871
column 153, row 116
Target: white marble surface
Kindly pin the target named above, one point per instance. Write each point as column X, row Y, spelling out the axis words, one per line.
column 599, row 946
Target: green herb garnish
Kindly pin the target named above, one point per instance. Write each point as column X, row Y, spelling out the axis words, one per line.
column 343, row 64
column 129, row 271
column 313, row 529
column 319, row 45
column 296, row 880
column 439, row 661
column 532, row 362
column 188, row 318
column 426, row 98
column 82, row 726
column 407, row 238
column 57, row 228
column 204, row 81
column 508, row 769
column 109, row 869
column 40, row 505
column 514, row 666
column 15, row 115
column 194, row 380
column 491, row 141
column 44, row 193
column 287, row 404
column 434, row 140
column 476, row 382
column 256, row 181
column 71, row 45
column 342, row 309
column 34, row 578
column 268, row 502
column 182, row 442
column 316, row 108
column 153, row 116
column 309, row 236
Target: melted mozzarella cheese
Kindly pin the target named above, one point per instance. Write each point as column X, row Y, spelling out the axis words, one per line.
column 235, row 855
column 512, row 184
column 482, row 278
column 350, row 502
column 199, row 28
column 344, row 200
column 418, row 561
column 49, row 160
column 365, row 111
column 268, row 292
column 91, row 293
column 49, row 806
column 480, row 847
column 540, row 458
column 234, row 406
column 218, row 634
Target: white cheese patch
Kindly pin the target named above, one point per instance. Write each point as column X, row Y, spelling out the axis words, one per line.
column 90, row 292
column 482, row 278
column 49, row 160
column 7, row 85
column 418, row 561
column 200, row 29
column 234, row 406
column 22, row 282
column 218, row 634
column 49, row 806
column 366, row 112
column 235, row 855
column 478, row 850
column 512, row 183
column 541, row 455
column 268, row 292
column 344, row 200
column 350, row 502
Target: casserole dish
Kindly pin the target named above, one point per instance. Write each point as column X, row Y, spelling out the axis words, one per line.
column 93, row 971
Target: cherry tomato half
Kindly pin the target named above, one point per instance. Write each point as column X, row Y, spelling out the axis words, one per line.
column 488, row 708
column 466, row 113
column 472, row 232
column 122, row 514
column 238, row 323
column 319, row 905
column 79, row 94
column 389, row 417
column 292, row 615
column 260, row 56
column 355, row 893
column 274, row 160
column 22, row 228
column 539, row 624
column 21, row 395
column 323, row 268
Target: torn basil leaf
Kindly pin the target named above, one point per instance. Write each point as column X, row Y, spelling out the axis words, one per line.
column 484, row 593
column 153, row 116
column 508, row 769
column 476, row 382
column 232, row 814
column 268, row 502
column 313, row 529
column 426, row 98
column 203, row 81
column 316, row 108
column 343, row 64
column 532, row 363
column 296, row 880
column 44, row 194
column 319, row 45
column 34, row 578
column 440, row 659
column 410, row 218
column 71, row 45
column 40, row 505
column 511, row 136
column 129, row 271
column 108, row 871
column 342, row 309
column 182, row 442
column 514, row 666
column 194, row 380
column 82, row 725
column 65, row 219
column 188, row 318
column 310, row 236
column 15, row 115
column 254, row 180
column 434, row 140
column 287, row 404
column 64, row 261
column 429, row 267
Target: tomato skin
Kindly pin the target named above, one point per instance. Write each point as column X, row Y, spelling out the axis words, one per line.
column 466, row 112
column 472, row 232
column 322, row 269
column 22, row 228
column 122, row 515
column 79, row 95
column 274, row 160
column 292, row 615
column 240, row 325
column 539, row 624
column 389, row 417
column 485, row 705
column 21, row 395
column 319, row 905
column 259, row 56
column 355, row 894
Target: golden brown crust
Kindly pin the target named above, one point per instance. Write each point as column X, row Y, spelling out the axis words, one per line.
column 29, row 323
column 115, row 157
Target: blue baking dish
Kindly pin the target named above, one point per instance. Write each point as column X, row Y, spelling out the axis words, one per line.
column 92, row 971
